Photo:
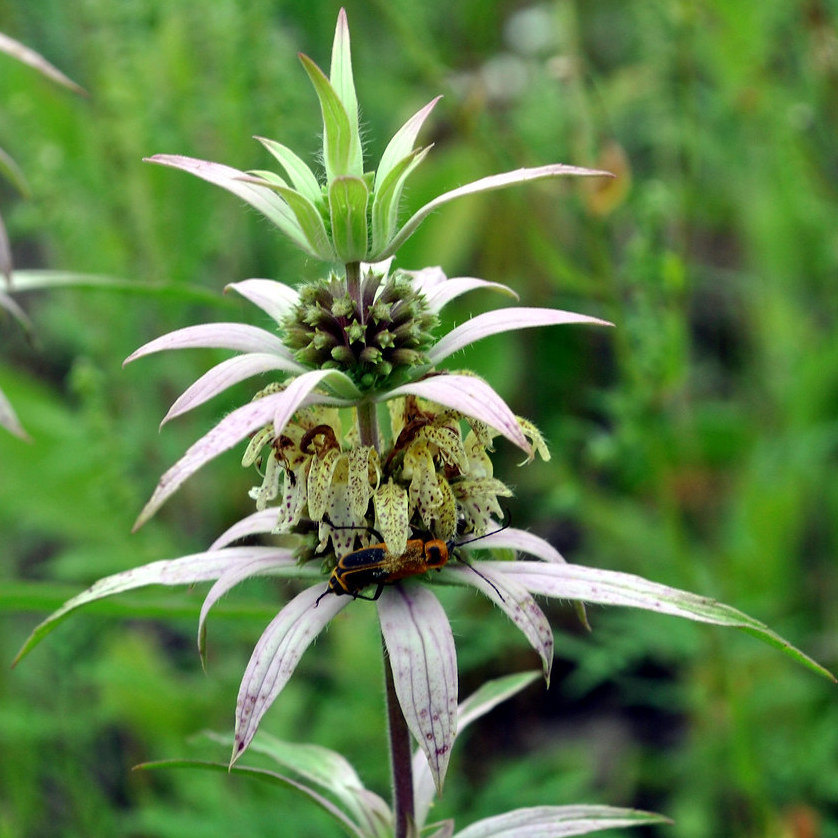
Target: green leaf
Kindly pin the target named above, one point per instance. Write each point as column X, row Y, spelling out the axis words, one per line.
column 325, row 768
column 348, row 197
column 340, row 73
column 301, row 177
column 341, row 140
column 13, row 173
column 385, row 203
column 402, row 143
column 260, row 774
column 306, row 213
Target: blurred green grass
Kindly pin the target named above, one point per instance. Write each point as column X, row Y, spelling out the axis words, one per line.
column 695, row 444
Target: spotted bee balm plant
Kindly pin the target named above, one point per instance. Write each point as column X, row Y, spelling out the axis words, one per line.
column 375, row 464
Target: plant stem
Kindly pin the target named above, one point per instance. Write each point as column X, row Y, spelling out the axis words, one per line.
column 367, row 424
column 400, row 757
column 353, row 286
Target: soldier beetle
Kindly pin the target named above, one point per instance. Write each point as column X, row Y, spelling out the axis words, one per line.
column 376, row 565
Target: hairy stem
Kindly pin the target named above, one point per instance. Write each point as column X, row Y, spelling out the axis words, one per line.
column 368, row 424
column 400, row 757
column 353, row 286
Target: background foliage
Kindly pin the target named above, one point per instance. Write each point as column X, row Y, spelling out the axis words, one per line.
column 695, row 444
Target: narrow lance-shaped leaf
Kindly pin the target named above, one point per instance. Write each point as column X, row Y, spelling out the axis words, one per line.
column 307, row 215
column 401, row 145
column 385, row 205
column 5, row 254
column 302, row 178
column 486, row 184
column 8, row 418
column 341, row 145
column 340, row 75
column 348, row 197
column 351, row 828
column 232, row 429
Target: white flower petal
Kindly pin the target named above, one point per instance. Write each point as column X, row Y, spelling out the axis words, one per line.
column 503, row 320
column 276, row 299
column 515, row 601
column 238, row 336
column 254, row 524
column 259, row 197
column 471, row 396
column 232, row 429
column 454, row 287
column 268, row 561
column 225, row 375
column 516, row 539
column 486, row 184
column 276, row 657
column 424, row 664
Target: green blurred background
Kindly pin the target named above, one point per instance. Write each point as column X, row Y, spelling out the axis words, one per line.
column 695, row 444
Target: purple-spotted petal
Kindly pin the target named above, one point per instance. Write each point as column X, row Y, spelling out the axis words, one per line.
column 238, row 336
column 225, row 375
column 421, row 649
column 256, row 523
column 268, row 561
column 516, row 602
column 274, row 298
column 276, row 657
column 503, row 320
column 486, row 184
column 187, row 570
column 471, row 396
